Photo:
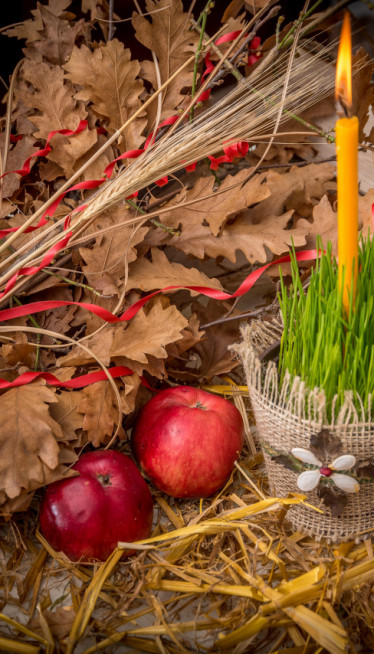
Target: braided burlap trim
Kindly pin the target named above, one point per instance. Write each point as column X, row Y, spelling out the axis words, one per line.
column 286, row 417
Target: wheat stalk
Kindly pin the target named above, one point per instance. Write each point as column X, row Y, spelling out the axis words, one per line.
column 245, row 114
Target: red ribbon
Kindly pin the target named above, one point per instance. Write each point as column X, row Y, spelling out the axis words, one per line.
column 31, row 270
column 47, row 148
column 254, row 56
column 35, row 307
column 26, row 169
column 77, row 382
column 91, row 378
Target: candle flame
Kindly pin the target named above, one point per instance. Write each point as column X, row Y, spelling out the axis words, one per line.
column 343, row 83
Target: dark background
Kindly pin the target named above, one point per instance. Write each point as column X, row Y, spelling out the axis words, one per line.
column 13, row 11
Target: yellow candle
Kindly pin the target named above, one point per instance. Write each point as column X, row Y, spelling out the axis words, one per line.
column 347, row 170
column 346, row 151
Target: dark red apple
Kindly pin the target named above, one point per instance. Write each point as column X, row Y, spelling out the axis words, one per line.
column 187, row 440
column 86, row 516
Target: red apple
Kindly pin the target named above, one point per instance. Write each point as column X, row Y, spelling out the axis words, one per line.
column 187, row 440
column 86, row 516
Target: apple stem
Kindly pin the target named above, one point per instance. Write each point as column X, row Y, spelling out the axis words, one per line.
column 104, row 480
column 199, row 405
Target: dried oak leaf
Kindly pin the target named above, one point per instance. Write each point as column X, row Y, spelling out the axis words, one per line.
column 363, row 93
column 100, row 412
column 299, row 189
column 254, row 5
column 58, row 319
column 107, row 261
column 325, row 446
column 31, row 27
column 333, row 499
column 325, row 220
column 29, row 449
column 135, row 343
column 65, row 413
column 160, row 272
column 169, row 36
column 56, row 39
column 109, row 79
column 245, row 235
column 16, row 504
column 148, row 333
column 181, row 355
column 15, row 160
column 217, row 208
column 48, row 34
column 54, row 108
column 129, row 392
column 191, row 335
column 324, row 225
column 232, row 10
column 365, row 469
column 214, row 357
column 365, row 216
column 19, row 352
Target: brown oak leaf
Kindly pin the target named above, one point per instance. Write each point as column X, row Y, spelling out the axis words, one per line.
column 148, row 333
column 365, row 216
column 29, row 29
column 54, row 108
column 107, row 261
column 47, row 34
column 134, row 344
column 215, row 357
column 100, row 412
column 325, row 220
column 29, row 448
column 335, row 500
column 325, row 446
column 22, row 501
column 19, row 503
column 167, row 33
column 56, row 39
column 324, row 224
column 16, row 158
column 299, row 189
column 160, row 272
column 217, row 208
column 65, row 413
column 363, row 93
column 109, row 79
column 243, row 235
column 254, row 5
column 21, row 351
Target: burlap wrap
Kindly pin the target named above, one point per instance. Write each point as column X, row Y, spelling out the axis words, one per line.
column 286, row 417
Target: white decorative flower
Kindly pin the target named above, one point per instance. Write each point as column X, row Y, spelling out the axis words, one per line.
column 310, row 479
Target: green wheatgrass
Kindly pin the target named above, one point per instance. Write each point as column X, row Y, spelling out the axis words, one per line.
column 320, row 344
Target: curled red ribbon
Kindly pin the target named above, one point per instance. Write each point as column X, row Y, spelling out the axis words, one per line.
column 245, row 286
column 91, row 378
column 77, row 382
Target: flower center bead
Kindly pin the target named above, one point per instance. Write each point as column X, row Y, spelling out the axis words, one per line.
column 326, row 472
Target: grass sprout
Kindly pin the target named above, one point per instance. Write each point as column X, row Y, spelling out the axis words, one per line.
column 322, row 345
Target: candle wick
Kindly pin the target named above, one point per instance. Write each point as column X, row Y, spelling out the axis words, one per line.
column 344, row 106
